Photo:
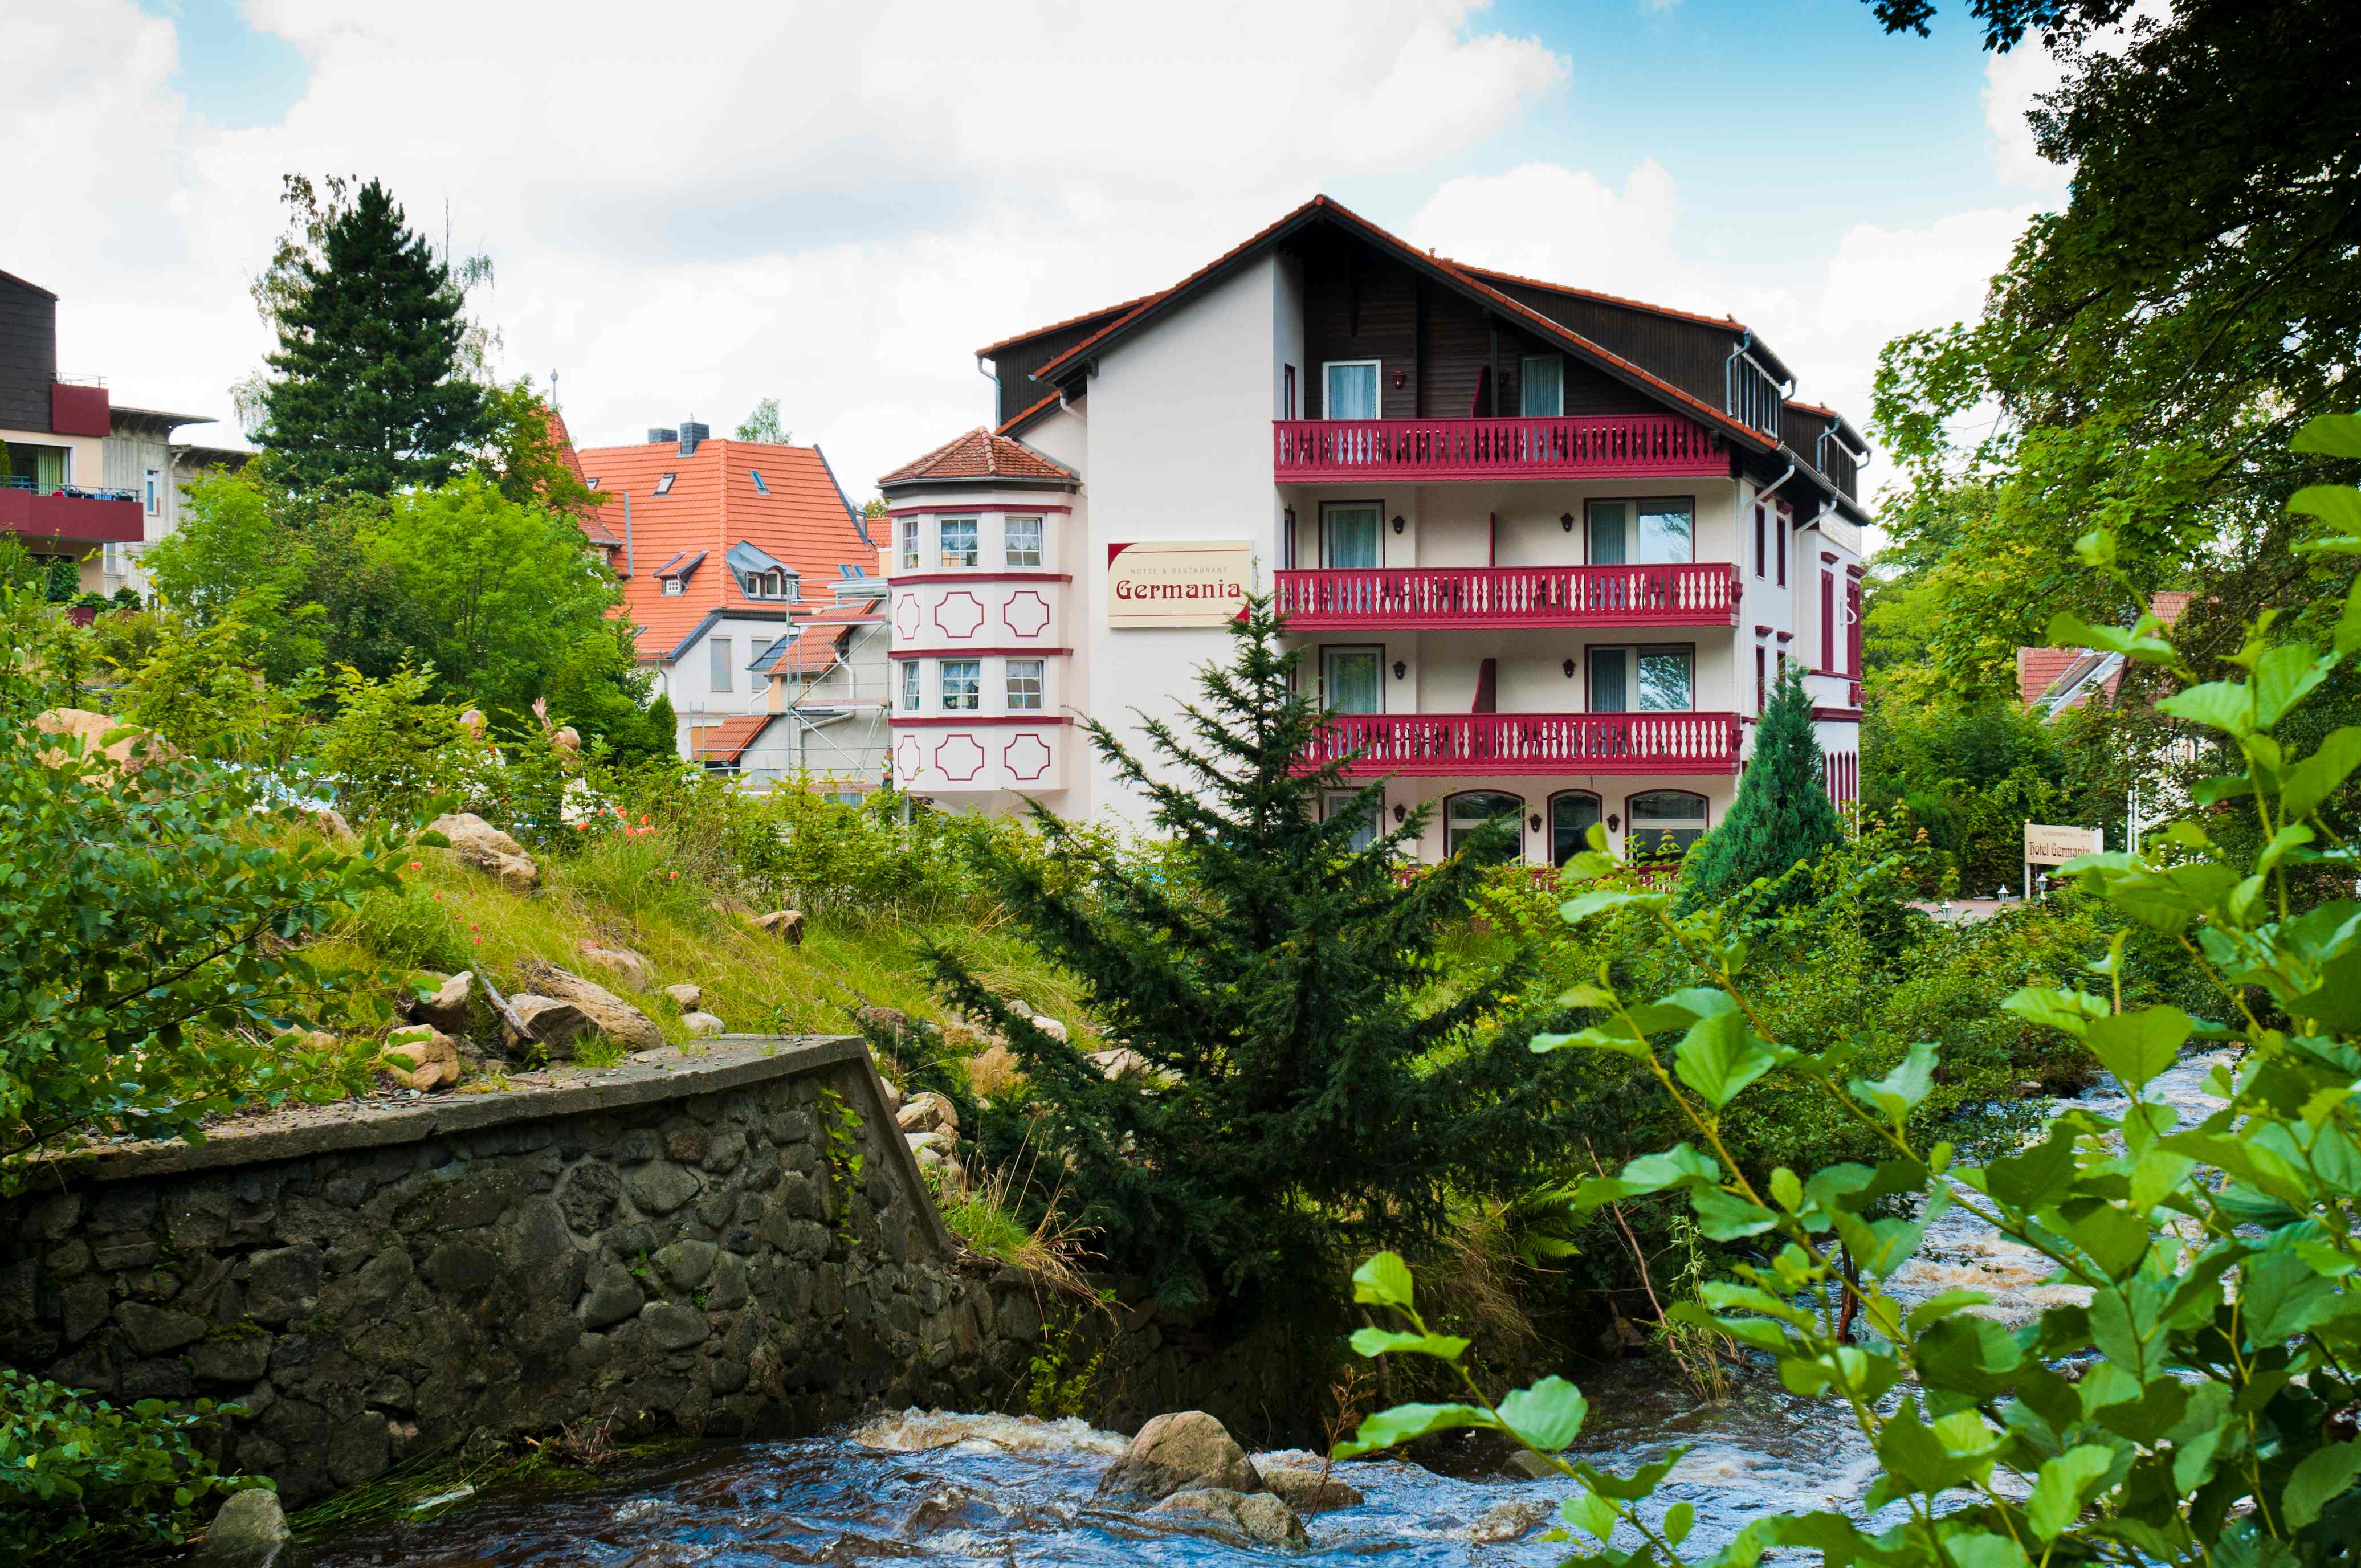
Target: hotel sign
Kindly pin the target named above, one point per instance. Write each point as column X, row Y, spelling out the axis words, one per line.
column 1178, row 582
column 2050, row 845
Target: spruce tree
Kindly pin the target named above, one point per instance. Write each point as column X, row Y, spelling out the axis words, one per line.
column 1783, row 812
column 370, row 395
column 1297, row 1091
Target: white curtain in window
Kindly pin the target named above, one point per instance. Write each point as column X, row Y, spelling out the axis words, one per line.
column 1352, row 390
column 1350, row 679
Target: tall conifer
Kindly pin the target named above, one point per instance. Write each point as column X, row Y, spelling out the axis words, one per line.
column 1277, row 983
column 370, row 394
column 1783, row 812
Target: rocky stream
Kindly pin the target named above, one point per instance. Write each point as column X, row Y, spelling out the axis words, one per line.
column 937, row 1487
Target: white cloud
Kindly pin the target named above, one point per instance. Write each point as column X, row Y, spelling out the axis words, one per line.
column 2012, row 83
column 694, row 206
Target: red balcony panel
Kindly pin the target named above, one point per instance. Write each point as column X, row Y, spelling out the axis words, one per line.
column 79, row 409
column 76, row 520
column 1572, row 446
column 1472, row 744
column 1443, row 598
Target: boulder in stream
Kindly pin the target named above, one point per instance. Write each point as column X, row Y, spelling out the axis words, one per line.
column 1258, row 1516
column 250, row 1531
column 1308, row 1491
column 1179, row 1451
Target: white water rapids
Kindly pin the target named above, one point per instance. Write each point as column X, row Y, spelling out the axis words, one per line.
column 954, row 1490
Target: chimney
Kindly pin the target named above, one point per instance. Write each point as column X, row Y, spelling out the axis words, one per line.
column 691, row 433
column 662, row 437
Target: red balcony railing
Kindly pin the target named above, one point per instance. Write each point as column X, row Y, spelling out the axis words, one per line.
column 1573, row 447
column 1440, row 597
column 1532, row 742
column 76, row 517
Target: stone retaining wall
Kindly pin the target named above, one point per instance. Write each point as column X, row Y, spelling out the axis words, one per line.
column 677, row 1243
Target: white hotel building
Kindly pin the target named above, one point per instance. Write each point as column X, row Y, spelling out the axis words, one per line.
column 1545, row 549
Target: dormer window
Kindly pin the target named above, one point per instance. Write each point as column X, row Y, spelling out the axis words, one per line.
column 673, row 587
column 663, row 486
column 771, row 585
column 760, row 488
column 592, row 485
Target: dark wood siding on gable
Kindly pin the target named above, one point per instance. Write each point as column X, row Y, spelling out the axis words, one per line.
column 1358, row 305
column 1013, row 367
column 1457, row 342
column 28, row 354
column 1690, row 355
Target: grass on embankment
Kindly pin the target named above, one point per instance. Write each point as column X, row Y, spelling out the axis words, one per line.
column 629, row 892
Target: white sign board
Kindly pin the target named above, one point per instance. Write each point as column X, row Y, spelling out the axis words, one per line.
column 2046, row 845
column 1178, row 582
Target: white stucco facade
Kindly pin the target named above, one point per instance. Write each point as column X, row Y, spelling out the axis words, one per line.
column 1520, row 653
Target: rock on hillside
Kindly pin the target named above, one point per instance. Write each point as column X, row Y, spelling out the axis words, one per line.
column 609, row 1014
column 479, row 844
column 129, row 755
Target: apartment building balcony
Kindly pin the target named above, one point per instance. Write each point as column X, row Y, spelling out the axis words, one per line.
column 36, row 512
column 1572, row 446
column 1474, row 597
column 1500, row 744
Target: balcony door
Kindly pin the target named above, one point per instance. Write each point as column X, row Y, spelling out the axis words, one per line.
column 1350, row 390
column 1643, row 533
column 1350, row 536
column 1352, row 678
column 1660, row 678
column 1572, row 813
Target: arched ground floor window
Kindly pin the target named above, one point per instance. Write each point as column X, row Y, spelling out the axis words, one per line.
column 1665, row 822
column 1571, row 814
column 1463, row 814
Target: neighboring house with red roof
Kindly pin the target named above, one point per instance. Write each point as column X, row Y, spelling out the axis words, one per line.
column 1545, row 549
column 728, row 551
column 2053, row 680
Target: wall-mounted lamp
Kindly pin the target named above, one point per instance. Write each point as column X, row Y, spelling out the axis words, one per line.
column 1536, row 820
column 1401, row 812
column 1402, row 378
column 1398, row 522
column 1568, row 668
column 1401, row 671
column 1613, row 822
column 1565, row 520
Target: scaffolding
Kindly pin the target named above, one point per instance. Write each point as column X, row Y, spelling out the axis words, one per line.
column 836, row 718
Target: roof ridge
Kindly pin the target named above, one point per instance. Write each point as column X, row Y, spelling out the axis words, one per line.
column 1070, row 321
column 1698, row 316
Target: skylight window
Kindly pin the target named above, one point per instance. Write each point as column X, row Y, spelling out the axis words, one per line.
column 663, row 486
column 760, row 487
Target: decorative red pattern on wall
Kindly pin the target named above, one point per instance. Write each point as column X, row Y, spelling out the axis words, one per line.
column 969, row 615
column 1453, row 743
column 959, row 758
column 1028, row 607
column 1690, row 594
column 1026, row 758
column 1572, row 446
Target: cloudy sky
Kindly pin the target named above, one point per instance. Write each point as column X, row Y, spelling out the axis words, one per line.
column 696, row 204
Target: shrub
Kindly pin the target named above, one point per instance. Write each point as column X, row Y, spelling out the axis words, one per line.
column 391, row 748
column 408, row 928
column 2199, row 1406
column 137, row 910
column 82, row 1479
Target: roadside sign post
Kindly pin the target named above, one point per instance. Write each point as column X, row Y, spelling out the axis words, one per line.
column 2048, row 844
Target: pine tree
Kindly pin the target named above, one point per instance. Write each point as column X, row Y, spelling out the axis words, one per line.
column 371, row 394
column 1275, row 983
column 1783, row 812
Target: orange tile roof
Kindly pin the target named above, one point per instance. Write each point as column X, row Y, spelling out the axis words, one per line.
column 2169, row 605
column 980, row 454
column 712, row 505
column 1008, row 426
column 728, row 739
column 2038, row 670
column 1451, row 270
column 1127, row 307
